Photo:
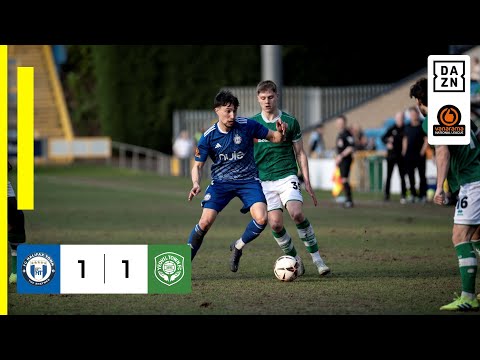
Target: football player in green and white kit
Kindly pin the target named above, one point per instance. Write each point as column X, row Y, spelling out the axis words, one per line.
column 277, row 167
column 461, row 163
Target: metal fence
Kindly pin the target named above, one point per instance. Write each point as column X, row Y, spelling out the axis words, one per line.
column 310, row 105
column 139, row 158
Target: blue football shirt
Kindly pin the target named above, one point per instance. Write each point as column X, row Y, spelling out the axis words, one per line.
column 232, row 151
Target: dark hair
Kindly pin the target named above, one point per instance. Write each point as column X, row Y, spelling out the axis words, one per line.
column 342, row 116
column 419, row 91
column 225, row 98
column 266, row 85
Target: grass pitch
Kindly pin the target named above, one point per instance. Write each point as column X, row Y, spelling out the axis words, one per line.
column 386, row 258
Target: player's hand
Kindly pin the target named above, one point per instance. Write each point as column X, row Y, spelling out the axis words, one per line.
column 194, row 192
column 310, row 192
column 281, row 127
column 338, row 159
column 439, row 197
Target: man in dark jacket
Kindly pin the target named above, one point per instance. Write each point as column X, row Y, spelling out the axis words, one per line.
column 393, row 141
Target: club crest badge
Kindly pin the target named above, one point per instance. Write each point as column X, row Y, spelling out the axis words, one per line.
column 169, row 268
column 38, row 269
column 237, row 139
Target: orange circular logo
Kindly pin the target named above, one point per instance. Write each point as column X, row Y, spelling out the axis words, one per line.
column 449, row 115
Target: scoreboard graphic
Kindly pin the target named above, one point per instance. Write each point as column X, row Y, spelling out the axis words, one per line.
column 103, row 269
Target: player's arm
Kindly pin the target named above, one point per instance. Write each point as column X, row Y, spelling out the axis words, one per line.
column 303, row 163
column 280, row 134
column 350, row 149
column 442, row 160
column 196, row 179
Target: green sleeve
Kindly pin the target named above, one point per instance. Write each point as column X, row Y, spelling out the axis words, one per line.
column 296, row 131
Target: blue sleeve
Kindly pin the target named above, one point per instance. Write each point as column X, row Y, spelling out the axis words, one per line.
column 259, row 131
column 201, row 152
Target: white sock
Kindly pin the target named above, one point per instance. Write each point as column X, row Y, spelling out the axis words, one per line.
column 316, row 256
column 239, row 244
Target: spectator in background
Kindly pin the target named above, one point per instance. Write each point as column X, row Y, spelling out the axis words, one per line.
column 316, row 144
column 183, row 149
column 414, row 149
column 393, row 139
column 361, row 141
column 345, row 148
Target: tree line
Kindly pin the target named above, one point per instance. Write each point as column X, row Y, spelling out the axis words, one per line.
column 129, row 92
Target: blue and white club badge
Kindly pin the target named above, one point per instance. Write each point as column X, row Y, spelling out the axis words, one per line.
column 38, row 269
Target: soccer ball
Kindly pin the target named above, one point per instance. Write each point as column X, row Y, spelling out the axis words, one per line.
column 286, row 268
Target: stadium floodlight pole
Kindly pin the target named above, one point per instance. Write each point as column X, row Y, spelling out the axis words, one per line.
column 272, row 67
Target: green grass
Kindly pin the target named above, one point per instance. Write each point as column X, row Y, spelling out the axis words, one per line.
column 386, row 258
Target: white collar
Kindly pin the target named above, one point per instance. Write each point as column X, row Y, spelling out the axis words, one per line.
column 274, row 120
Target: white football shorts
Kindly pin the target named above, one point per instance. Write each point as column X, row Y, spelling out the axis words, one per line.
column 467, row 210
column 279, row 192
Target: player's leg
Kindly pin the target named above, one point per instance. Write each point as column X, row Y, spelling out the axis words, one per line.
column 467, row 263
column 280, row 234
column 422, row 192
column 16, row 233
column 199, row 231
column 305, row 230
column 476, row 246
column 466, row 220
column 401, row 171
column 390, row 165
column 275, row 219
column 476, row 241
column 283, row 238
column 344, row 174
column 410, row 169
column 215, row 199
column 254, row 201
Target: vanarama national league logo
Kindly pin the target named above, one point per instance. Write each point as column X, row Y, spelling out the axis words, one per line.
column 169, row 268
column 449, row 103
column 449, row 117
column 38, row 268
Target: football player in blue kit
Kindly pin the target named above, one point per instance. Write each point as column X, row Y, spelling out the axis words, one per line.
column 229, row 143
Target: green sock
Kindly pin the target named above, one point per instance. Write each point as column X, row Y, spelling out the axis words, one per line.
column 14, row 264
column 284, row 240
column 306, row 234
column 476, row 245
column 467, row 262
